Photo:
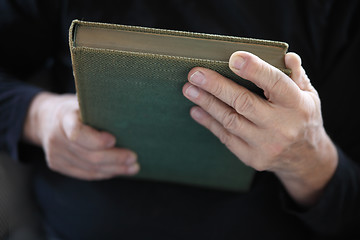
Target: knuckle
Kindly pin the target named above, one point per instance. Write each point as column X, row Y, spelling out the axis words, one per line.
column 289, row 136
column 209, row 103
column 275, row 85
column 252, row 67
column 279, row 85
column 226, row 138
column 72, row 127
column 231, row 121
column 304, row 113
column 73, row 135
column 217, row 89
column 243, row 102
column 308, row 111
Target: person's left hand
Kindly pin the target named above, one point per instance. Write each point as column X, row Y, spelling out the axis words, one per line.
column 283, row 133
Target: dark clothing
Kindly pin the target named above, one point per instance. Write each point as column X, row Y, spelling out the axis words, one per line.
column 326, row 34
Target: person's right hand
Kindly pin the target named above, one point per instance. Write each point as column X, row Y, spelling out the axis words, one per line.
column 72, row 148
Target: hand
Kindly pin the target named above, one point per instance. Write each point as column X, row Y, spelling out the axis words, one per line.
column 72, row 148
column 283, row 133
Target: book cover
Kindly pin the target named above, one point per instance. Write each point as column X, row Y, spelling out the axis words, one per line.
column 129, row 82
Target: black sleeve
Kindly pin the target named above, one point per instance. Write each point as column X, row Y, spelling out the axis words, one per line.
column 26, row 45
column 15, row 98
column 337, row 212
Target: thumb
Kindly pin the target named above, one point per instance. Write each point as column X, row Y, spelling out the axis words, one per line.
column 277, row 86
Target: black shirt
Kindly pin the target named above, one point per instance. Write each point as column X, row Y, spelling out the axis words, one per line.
column 34, row 55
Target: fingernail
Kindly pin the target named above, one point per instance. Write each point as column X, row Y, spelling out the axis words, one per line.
column 192, row 92
column 131, row 159
column 237, row 62
column 198, row 78
column 196, row 113
column 133, row 169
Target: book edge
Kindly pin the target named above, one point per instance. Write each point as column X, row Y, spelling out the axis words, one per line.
column 278, row 44
column 153, row 55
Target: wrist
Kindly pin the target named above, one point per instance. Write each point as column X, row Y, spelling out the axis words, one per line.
column 306, row 183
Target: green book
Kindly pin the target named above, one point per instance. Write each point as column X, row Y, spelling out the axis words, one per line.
column 129, row 82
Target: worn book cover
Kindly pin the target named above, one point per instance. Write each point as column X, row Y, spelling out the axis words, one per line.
column 129, row 82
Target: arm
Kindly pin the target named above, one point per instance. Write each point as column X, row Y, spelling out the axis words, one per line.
column 15, row 98
column 25, row 45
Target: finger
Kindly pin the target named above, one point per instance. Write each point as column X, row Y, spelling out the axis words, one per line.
column 298, row 75
column 235, row 144
column 239, row 98
column 109, row 157
column 96, row 174
column 277, row 86
column 83, row 170
column 84, row 135
column 224, row 114
column 63, row 165
column 114, row 156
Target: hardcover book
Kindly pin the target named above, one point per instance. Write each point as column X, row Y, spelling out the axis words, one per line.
column 129, row 82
